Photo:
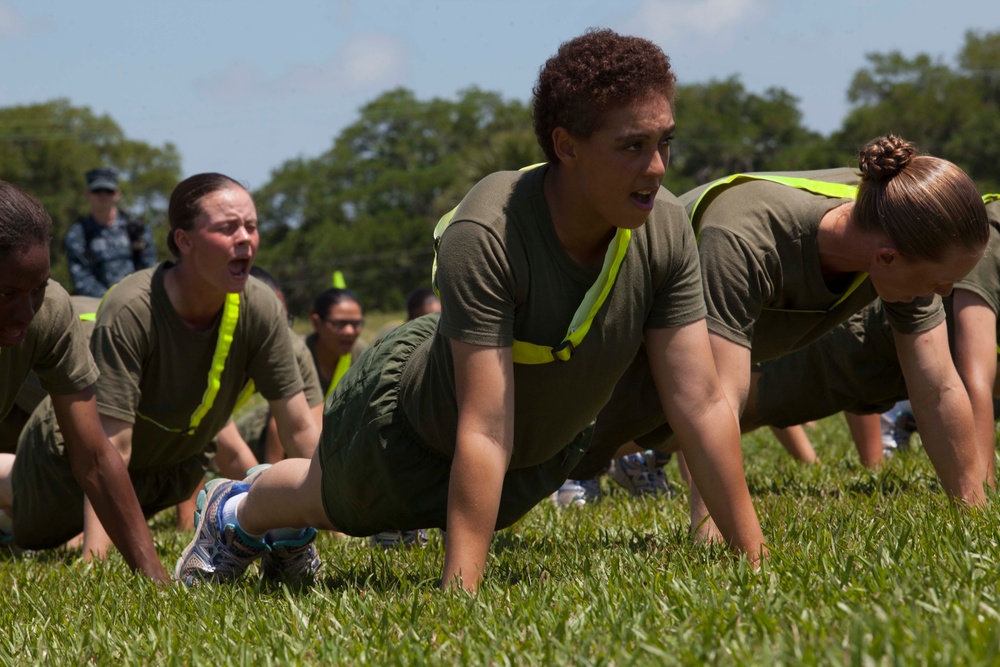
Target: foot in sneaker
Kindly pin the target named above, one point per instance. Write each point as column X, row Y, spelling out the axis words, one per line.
column 641, row 474
column 291, row 561
column 388, row 539
column 577, row 492
column 898, row 426
column 217, row 552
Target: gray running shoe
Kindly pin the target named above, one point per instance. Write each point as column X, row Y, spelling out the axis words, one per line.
column 577, row 493
column 291, row 561
column 217, row 553
column 388, row 539
column 641, row 474
column 898, row 426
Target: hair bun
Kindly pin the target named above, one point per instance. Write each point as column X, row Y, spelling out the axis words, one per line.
column 882, row 158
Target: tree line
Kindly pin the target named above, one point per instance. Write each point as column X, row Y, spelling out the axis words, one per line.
column 367, row 206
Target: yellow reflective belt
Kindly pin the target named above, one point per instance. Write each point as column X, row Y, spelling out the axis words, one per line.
column 530, row 353
column 835, row 190
column 88, row 317
column 342, row 365
column 230, row 316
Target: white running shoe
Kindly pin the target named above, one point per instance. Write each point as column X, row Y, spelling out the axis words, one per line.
column 577, row 492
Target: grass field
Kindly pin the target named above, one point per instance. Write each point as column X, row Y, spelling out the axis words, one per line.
column 865, row 568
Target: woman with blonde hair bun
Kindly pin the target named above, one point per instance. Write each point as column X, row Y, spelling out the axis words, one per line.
column 787, row 257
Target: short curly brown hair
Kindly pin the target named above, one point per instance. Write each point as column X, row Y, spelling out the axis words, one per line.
column 592, row 74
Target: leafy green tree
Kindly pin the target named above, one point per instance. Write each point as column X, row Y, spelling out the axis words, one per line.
column 723, row 129
column 950, row 112
column 368, row 205
column 47, row 147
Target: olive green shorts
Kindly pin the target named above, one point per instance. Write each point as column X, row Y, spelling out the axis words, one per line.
column 48, row 501
column 378, row 475
column 854, row 367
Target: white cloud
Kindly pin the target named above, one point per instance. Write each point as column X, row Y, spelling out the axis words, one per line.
column 669, row 22
column 369, row 61
column 14, row 25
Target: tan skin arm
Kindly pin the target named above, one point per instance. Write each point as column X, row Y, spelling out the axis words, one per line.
column 735, row 381
column 484, row 390
column 706, row 427
column 866, row 431
column 976, row 362
column 274, row 451
column 233, row 456
column 297, row 428
column 796, row 442
column 943, row 411
column 103, row 475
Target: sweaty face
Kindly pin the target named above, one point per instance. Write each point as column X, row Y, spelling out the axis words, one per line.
column 903, row 279
column 23, row 278
column 622, row 164
column 224, row 240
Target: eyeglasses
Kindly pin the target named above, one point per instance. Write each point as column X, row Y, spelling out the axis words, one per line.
column 343, row 324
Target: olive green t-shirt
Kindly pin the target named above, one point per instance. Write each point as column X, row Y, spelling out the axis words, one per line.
column 984, row 279
column 154, row 368
column 54, row 349
column 760, row 261
column 503, row 275
column 307, row 369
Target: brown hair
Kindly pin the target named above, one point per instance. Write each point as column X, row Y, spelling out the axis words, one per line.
column 185, row 201
column 24, row 222
column 592, row 74
column 925, row 205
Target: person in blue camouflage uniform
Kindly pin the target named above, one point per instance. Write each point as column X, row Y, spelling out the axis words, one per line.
column 105, row 246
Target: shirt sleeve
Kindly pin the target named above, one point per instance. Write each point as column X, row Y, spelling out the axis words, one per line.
column 120, row 345
column 679, row 297
column 736, row 285
column 65, row 365
column 476, row 286
column 917, row 316
column 272, row 366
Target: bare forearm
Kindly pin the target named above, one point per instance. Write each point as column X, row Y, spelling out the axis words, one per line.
column 104, row 478
column 474, row 490
column 946, row 428
column 712, row 452
column 981, row 399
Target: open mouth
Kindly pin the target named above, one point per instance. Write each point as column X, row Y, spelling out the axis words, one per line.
column 12, row 335
column 239, row 269
column 643, row 198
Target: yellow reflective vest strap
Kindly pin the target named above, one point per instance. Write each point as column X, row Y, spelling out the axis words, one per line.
column 838, row 190
column 342, row 365
column 88, row 317
column 529, row 353
column 230, row 316
column 249, row 389
column 824, row 188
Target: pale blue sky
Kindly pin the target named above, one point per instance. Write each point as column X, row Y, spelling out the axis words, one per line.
column 241, row 86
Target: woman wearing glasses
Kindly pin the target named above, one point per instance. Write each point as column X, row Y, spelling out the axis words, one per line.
column 335, row 343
